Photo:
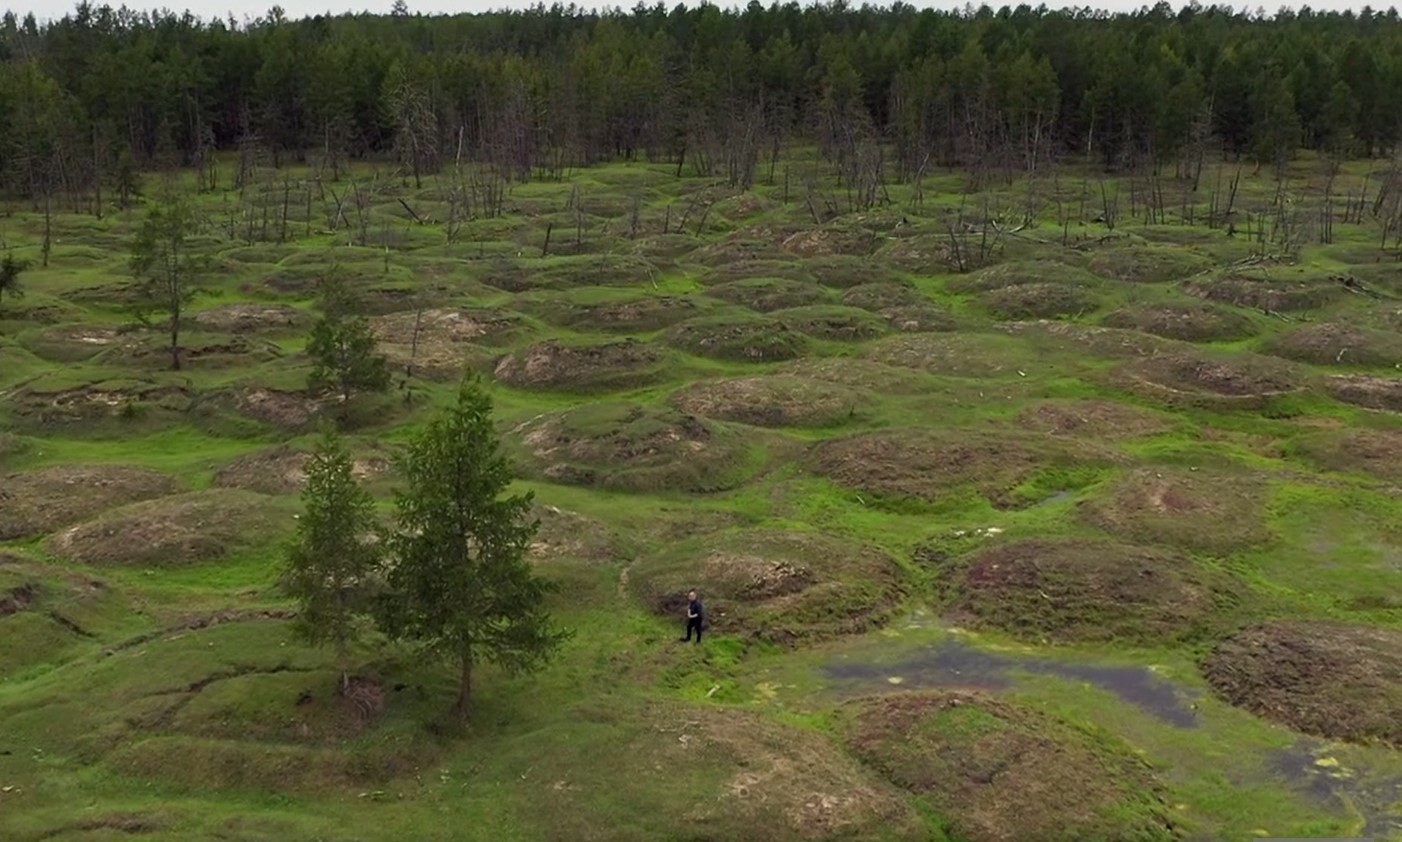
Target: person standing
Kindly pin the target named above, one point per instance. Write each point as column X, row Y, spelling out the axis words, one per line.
column 695, row 616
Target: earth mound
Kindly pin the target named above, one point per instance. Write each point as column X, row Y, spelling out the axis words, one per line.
column 832, row 323
column 1337, row 343
column 829, row 241
column 642, row 314
column 602, row 366
column 1375, row 452
column 55, row 401
column 1094, row 419
column 1023, row 273
column 859, row 374
column 901, row 306
column 738, row 338
column 769, row 294
column 244, row 318
column 957, row 354
column 845, row 271
column 46, row 611
column 777, row 400
column 929, row 465
column 1088, row 340
column 36, row 502
column 1238, row 381
column 1038, row 301
column 1066, row 590
column 439, row 343
column 1149, row 263
column 286, row 410
column 175, row 530
column 626, row 446
column 1383, row 393
column 1281, row 296
column 74, row 343
column 1004, row 772
column 776, row 586
column 569, row 535
column 1198, row 510
column 283, row 470
column 197, row 350
column 1328, row 679
column 1187, row 321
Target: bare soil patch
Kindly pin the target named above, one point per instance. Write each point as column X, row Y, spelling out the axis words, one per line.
column 956, row 354
column 776, row 586
column 634, row 448
column 448, row 339
column 569, row 535
column 643, row 314
column 832, row 323
column 780, row 782
column 1003, row 772
column 1149, row 263
column 928, row 465
column 1274, row 295
column 1038, row 301
column 1189, row 321
column 1184, row 379
column 241, row 318
column 768, row 294
column 1374, row 452
column 283, row 470
column 738, row 338
column 180, row 529
column 36, row 502
column 1066, row 590
column 1328, row 679
column 628, row 363
column 1338, row 343
column 1198, row 510
column 1094, row 419
column 777, row 400
column 1383, row 393
column 901, row 306
column 845, row 272
column 286, row 410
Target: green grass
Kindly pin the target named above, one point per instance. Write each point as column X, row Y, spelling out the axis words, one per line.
column 826, row 428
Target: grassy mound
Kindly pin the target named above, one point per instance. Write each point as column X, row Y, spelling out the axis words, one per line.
column 1095, row 419
column 282, row 409
column 830, row 240
column 1383, row 393
column 1071, row 590
column 175, row 530
column 197, row 351
column 1022, row 273
column 775, row 401
column 1203, row 511
column 859, row 374
column 1089, row 340
column 245, row 318
column 928, row 465
column 738, row 338
column 46, row 611
column 1328, row 679
column 1374, row 452
column 283, row 470
column 1184, row 379
column 768, row 294
column 1000, row 772
column 1284, row 296
column 36, row 502
column 626, row 446
column 58, row 401
column 1038, row 301
column 75, row 343
column 1188, row 321
column 844, row 272
column 957, row 354
column 1149, row 263
column 901, row 306
column 832, row 323
column 569, row 535
column 1337, row 343
column 605, row 366
column 618, row 313
column 447, row 339
column 776, row 586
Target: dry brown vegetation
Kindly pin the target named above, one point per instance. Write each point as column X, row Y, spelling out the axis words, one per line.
column 36, row 502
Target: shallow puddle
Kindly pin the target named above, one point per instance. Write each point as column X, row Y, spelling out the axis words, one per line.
column 953, row 664
column 1331, row 775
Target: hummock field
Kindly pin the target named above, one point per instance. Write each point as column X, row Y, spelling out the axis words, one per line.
column 1025, row 530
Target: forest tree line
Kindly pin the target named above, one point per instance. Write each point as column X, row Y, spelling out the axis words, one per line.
column 90, row 99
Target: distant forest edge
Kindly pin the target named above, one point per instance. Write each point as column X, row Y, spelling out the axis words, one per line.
column 884, row 93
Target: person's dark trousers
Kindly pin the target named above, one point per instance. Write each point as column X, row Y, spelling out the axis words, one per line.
column 693, row 623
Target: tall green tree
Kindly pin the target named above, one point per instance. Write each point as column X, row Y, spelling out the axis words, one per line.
column 166, row 269
column 10, row 270
column 330, row 564
column 459, row 581
column 343, row 348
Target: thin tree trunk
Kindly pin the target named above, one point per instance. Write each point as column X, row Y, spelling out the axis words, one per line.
column 464, row 706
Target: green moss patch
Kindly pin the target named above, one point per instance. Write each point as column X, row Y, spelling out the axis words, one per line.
column 1328, row 679
column 998, row 771
column 1199, row 510
column 773, row 585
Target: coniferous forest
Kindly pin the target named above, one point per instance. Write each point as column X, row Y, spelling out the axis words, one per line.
column 98, row 94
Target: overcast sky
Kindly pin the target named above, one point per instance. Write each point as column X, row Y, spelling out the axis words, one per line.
column 241, row 9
